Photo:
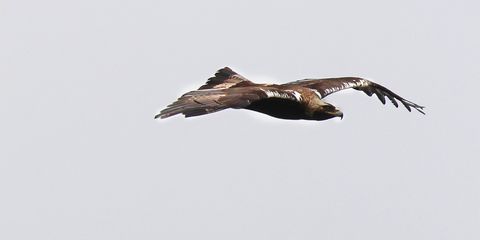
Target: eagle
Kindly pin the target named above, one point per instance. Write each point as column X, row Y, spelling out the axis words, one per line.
column 302, row 99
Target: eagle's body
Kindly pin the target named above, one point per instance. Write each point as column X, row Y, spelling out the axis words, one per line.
column 290, row 102
column 295, row 100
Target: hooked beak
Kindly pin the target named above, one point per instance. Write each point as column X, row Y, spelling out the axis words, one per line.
column 339, row 114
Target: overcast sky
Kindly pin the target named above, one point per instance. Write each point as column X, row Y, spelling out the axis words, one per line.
column 82, row 157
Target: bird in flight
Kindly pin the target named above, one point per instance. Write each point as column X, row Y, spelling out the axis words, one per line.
column 302, row 99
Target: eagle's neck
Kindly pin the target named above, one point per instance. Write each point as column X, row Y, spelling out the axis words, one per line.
column 313, row 102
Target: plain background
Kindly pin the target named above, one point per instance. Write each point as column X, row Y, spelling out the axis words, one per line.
column 82, row 157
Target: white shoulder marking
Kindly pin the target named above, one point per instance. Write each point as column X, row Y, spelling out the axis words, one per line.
column 277, row 94
column 296, row 94
column 317, row 93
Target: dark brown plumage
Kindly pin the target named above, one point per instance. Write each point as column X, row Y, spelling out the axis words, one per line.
column 294, row 100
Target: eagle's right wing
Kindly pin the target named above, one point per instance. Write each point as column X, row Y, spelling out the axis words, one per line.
column 327, row 86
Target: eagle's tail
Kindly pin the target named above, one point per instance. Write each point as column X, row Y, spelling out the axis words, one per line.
column 195, row 103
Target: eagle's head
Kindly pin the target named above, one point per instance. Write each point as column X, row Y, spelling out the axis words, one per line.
column 327, row 111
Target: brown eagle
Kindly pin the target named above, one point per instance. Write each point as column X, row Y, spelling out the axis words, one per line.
column 302, row 99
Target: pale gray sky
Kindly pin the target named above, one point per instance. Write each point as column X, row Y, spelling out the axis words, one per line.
column 82, row 157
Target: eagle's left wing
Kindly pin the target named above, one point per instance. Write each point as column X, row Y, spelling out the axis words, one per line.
column 327, row 86
column 205, row 101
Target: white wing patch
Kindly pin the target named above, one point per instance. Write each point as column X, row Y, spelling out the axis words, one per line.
column 317, row 93
column 289, row 94
column 345, row 85
column 296, row 94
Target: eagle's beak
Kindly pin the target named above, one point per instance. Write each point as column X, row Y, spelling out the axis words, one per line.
column 339, row 114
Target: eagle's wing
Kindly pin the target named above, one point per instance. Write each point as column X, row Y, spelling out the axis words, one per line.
column 225, row 78
column 206, row 101
column 327, row 86
column 227, row 89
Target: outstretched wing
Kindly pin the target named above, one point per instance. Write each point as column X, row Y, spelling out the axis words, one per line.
column 327, row 86
column 195, row 103
column 206, row 101
column 225, row 78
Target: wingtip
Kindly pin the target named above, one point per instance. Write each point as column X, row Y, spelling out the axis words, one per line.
column 420, row 109
column 227, row 71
